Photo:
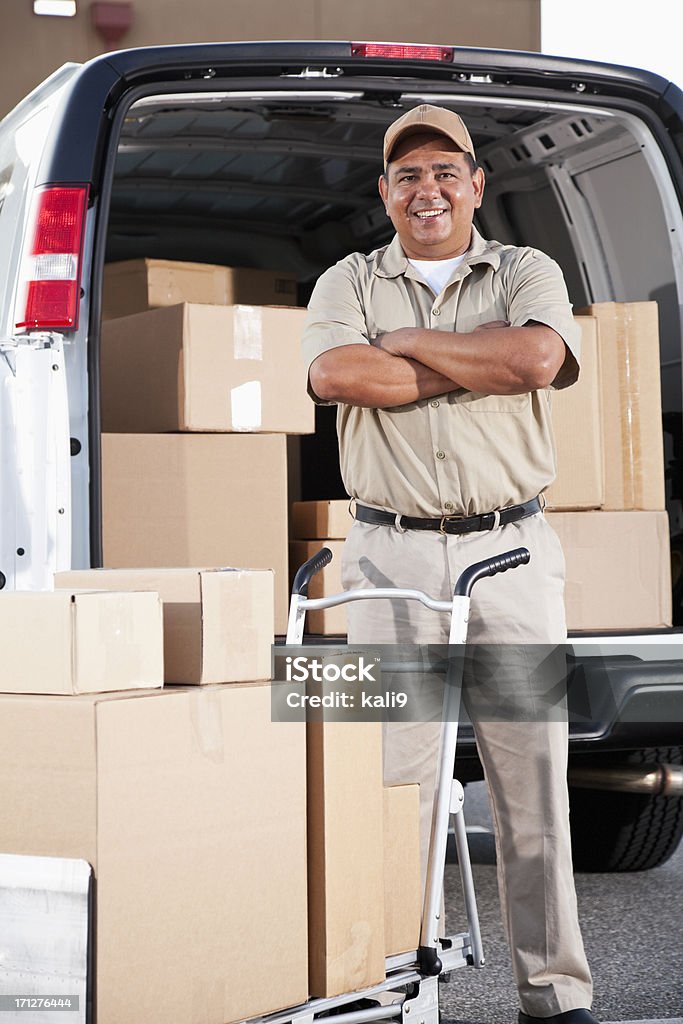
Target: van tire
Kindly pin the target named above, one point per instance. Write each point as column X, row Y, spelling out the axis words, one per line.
column 626, row 831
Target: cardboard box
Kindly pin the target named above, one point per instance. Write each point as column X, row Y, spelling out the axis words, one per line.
column 345, row 856
column 577, row 427
column 631, row 404
column 190, row 805
column 329, row 621
column 402, row 889
column 618, row 569
column 197, row 499
column 218, row 623
column 203, row 368
column 133, row 286
column 80, row 643
column 321, row 519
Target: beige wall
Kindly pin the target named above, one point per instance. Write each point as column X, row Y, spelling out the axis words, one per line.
column 31, row 47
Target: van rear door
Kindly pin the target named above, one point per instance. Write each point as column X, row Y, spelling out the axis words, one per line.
column 36, row 275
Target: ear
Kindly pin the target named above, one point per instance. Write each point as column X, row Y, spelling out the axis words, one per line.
column 478, row 181
column 383, row 186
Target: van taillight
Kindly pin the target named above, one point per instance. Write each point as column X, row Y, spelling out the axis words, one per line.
column 402, row 51
column 51, row 274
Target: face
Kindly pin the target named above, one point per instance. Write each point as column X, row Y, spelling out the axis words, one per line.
column 430, row 195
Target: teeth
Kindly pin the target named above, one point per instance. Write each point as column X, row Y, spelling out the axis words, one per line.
column 429, row 213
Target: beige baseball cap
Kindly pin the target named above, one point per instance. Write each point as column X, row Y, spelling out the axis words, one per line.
column 427, row 118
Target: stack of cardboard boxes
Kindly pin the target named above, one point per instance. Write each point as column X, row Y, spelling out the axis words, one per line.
column 202, row 379
column 240, row 864
column 617, row 548
column 607, row 503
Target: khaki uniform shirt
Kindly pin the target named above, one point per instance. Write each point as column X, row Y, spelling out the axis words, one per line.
column 462, row 452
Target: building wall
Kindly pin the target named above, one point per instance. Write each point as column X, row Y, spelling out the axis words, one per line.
column 32, row 46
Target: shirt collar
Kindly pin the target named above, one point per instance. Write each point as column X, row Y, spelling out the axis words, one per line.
column 392, row 261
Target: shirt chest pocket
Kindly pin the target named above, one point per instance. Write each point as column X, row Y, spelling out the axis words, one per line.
column 469, row 321
column 483, row 299
column 392, row 308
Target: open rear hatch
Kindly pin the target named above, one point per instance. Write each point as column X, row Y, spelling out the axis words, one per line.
column 280, row 172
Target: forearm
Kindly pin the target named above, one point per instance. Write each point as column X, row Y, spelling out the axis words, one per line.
column 366, row 376
column 501, row 360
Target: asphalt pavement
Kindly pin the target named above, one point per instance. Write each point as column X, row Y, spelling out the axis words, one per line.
column 632, row 926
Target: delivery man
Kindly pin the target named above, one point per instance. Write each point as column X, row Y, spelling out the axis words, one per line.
column 441, row 351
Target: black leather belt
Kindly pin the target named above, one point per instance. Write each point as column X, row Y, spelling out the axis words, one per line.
column 450, row 524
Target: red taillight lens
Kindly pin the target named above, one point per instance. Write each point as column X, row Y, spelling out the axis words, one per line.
column 52, row 267
column 59, row 220
column 401, row 51
column 51, row 304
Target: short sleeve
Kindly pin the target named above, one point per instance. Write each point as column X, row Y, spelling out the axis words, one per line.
column 335, row 312
column 538, row 292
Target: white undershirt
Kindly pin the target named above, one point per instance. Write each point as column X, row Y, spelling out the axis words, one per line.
column 437, row 272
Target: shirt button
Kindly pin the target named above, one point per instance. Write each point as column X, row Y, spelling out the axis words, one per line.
column 436, row 311
column 435, row 405
column 440, row 454
column 449, row 505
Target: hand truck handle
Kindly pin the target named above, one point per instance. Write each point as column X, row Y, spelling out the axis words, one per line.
column 490, row 567
column 308, row 570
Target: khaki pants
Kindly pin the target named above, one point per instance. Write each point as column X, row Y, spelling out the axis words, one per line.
column 525, row 760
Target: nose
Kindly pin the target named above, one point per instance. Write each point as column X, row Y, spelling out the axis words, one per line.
column 429, row 188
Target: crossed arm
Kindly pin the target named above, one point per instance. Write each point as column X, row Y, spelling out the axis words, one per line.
column 406, row 365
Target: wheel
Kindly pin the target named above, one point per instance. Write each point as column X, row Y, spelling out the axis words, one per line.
column 626, row 831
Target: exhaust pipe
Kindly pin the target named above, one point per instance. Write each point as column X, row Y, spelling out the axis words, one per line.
column 655, row 780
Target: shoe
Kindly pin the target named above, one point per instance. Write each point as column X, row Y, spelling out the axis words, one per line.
column 580, row 1016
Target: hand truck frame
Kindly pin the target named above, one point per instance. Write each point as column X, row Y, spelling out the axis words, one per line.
column 419, row 971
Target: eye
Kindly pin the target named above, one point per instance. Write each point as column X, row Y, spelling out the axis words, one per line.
column 407, row 178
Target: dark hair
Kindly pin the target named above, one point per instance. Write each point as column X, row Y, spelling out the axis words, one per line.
column 471, row 162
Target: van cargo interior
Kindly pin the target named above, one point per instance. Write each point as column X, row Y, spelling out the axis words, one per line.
column 287, row 180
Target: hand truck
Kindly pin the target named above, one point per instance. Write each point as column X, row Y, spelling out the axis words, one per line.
column 418, row 972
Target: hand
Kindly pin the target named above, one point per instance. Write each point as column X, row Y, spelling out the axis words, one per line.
column 396, row 343
column 402, row 342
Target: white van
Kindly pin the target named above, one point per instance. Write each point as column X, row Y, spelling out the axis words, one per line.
column 266, row 155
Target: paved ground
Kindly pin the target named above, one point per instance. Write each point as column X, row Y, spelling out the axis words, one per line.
column 633, row 932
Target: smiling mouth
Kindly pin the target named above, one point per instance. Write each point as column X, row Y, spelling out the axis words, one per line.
column 429, row 214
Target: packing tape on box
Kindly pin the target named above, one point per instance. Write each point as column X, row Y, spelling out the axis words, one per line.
column 219, row 285
column 119, row 642
column 247, row 332
column 206, row 716
column 630, row 411
column 252, row 590
column 245, row 406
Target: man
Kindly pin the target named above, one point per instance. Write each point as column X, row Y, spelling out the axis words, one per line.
column 440, row 350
